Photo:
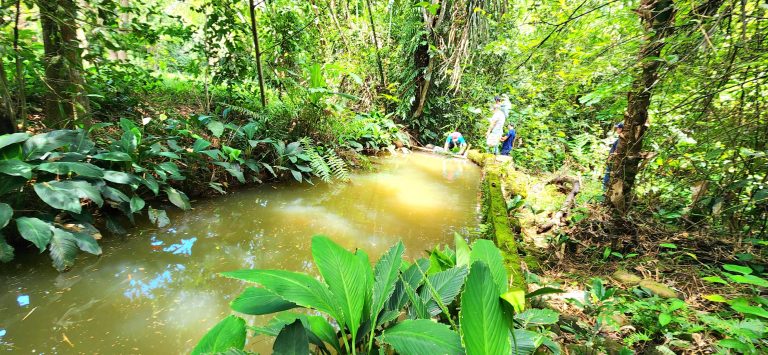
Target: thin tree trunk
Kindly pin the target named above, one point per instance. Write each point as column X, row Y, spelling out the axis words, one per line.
column 657, row 17
column 7, row 114
column 376, row 43
column 21, row 92
column 66, row 103
column 258, row 53
column 125, row 18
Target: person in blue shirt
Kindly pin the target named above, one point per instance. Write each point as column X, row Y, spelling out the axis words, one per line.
column 508, row 140
column 455, row 141
column 619, row 127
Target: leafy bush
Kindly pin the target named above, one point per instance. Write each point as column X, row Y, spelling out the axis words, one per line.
column 452, row 302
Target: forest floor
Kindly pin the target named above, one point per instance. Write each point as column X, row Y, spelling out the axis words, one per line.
column 617, row 286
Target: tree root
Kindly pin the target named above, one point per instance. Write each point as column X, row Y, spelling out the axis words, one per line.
column 558, row 218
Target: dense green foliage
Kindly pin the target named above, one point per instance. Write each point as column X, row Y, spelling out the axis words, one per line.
column 367, row 305
column 112, row 110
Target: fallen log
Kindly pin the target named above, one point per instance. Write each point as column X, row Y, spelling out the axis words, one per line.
column 558, row 218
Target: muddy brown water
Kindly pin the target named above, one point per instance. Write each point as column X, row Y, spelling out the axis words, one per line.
column 156, row 291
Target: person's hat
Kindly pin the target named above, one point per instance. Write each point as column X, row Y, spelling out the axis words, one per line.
column 455, row 135
column 619, row 125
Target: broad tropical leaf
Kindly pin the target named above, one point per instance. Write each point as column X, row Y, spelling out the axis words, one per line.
column 422, row 336
column 6, row 212
column 483, row 328
column 385, row 274
column 257, row 301
column 524, row 341
column 137, row 204
column 229, row 333
column 35, row 230
column 40, row 144
column 113, row 156
column 79, row 168
column 536, row 316
column 66, row 195
column 178, row 198
column 300, row 289
column 484, row 250
column 8, row 139
column 16, row 167
column 446, row 284
column 292, row 340
column 341, row 272
column 462, row 250
column 324, row 331
column 63, row 249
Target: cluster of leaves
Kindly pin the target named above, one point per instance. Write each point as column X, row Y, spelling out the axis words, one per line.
column 670, row 325
column 71, row 176
column 452, row 302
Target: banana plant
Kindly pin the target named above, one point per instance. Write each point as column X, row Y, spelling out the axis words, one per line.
column 453, row 302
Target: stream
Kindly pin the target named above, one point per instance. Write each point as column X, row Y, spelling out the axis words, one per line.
column 156, row 291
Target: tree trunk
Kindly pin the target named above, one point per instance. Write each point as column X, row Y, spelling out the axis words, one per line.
column 7, row 114
column 66, row 103
column 258, row 53
column 657, row 17
column 376, row 43
column 21, row 91
column 125, row 18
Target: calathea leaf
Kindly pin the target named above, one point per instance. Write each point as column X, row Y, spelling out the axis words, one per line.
column 446, row 285
column 66, row 195
column 178, row 198
column 300, row 289
column 422, row 336
column 35, row 230
column 484, row 250
column 6, row 212
column 292, row 340
column 63, row 249
column 8, row 139
column 229, row 333
column 40, row 144
column 16, row 167
column 258, row 301
column 64, row 168
column 341, row 271
column 483, row 328
column 385, row 276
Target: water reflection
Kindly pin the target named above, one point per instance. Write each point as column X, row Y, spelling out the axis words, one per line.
column 140, row 288
column 157, row 291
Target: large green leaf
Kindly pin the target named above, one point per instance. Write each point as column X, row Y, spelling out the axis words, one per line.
column 484, row 250
column 462, row 251
column 40, row 144
column 257, row 301
column 137, row 204
column 8, row 139
column 341, row 270
column 66, row 195
column 119, row 177
column 229, row 333
column 6, row 250
column 216, row 127
column 15, row 167
column 64, row 168
column 300, row 289
column 292, row 340
column 178, row 198
column 6, row 212
column 63, row 249
column 324, row 331
column 113, row 156
column 412, row 276
column 385, row 277
column 483, row 327
column 446, row 285
column 35, row 230
column 87, row 243
column 422, row 336
column 536, row 316
column 524, row 341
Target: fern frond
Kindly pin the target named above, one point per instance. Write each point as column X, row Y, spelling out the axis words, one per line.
column 338, row 166
column 316, row 161
column 244, row 112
